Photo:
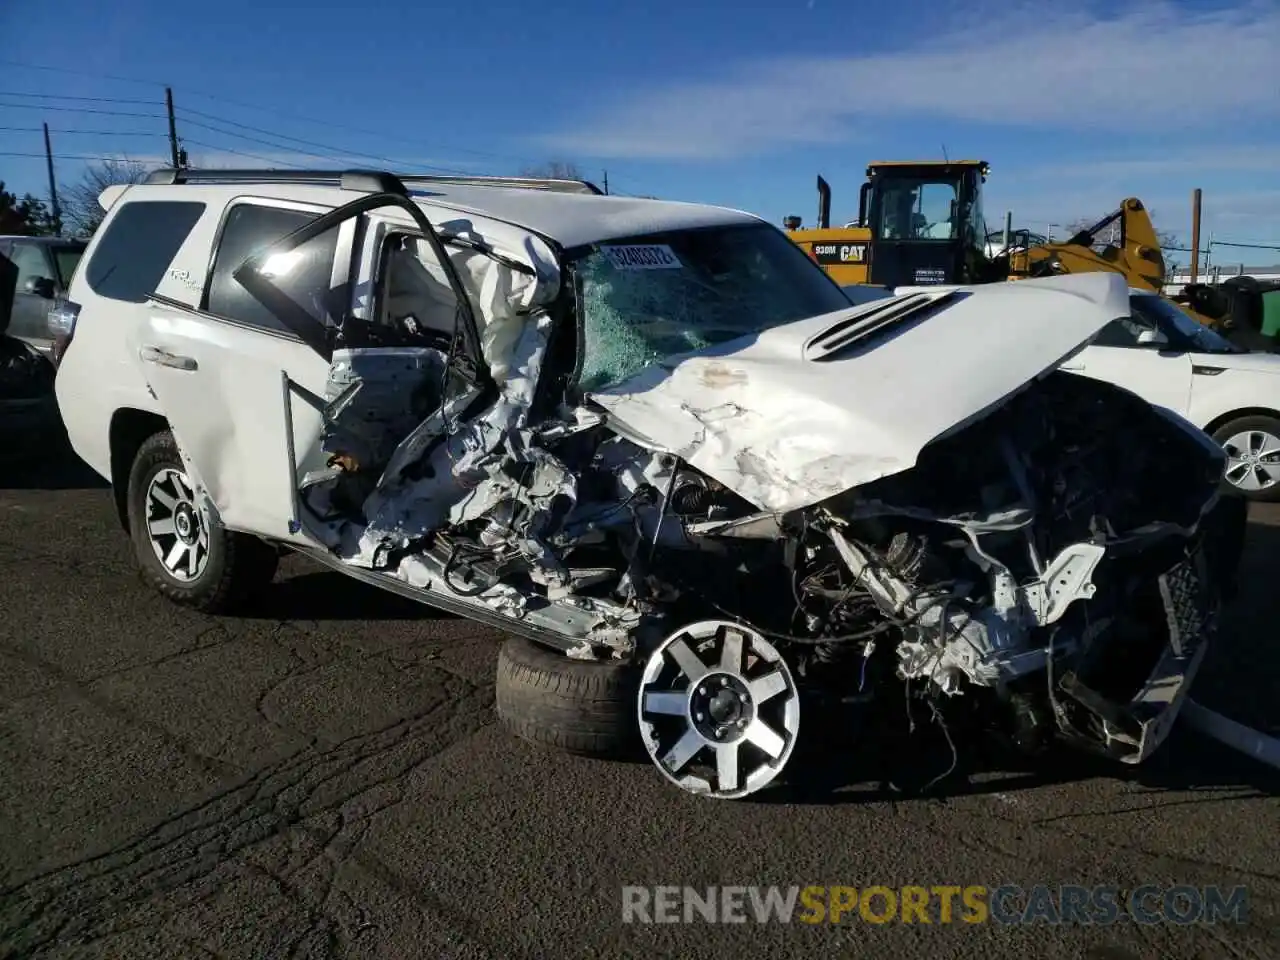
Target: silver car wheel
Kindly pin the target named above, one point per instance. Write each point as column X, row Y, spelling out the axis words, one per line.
column 719, row 711
column 177, row 527
column 1253, row 460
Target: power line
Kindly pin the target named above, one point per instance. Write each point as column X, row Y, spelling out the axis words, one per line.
column 80, row 73
column 361, row 130
column 337, row 155
column 1246, row 246
column 110, row 113
column 58, row 96
column 241, row 153
column 328, row 122
column 70, row 156
column 85, row 133
column 311, row 143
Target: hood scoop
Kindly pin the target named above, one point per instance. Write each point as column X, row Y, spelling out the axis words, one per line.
column 874, row 318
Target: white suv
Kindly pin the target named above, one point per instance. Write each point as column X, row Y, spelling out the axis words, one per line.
column 653, row 441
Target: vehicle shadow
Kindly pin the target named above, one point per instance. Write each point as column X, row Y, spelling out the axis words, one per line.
column 843, row 759
column 48, row 463
column 893, row 770
column 319, row 594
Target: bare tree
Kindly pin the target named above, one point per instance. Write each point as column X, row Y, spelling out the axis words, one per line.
column 1111, row 234
column 80, row 210
column 554, row 170
column 1169, row 245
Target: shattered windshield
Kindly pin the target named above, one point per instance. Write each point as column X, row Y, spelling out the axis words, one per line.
column 647, row 298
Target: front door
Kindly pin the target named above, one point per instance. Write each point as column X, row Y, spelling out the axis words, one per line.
column 1133, row 355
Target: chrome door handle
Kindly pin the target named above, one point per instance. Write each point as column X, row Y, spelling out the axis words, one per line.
column 166, row 359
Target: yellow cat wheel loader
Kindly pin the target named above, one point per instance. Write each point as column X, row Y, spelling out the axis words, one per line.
column 918, row 222
column 921, row 222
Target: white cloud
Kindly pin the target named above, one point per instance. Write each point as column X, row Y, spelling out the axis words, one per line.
column 1156, row 67
column 1226, row 158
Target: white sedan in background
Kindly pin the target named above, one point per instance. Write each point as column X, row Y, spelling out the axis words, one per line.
column 1167, row 358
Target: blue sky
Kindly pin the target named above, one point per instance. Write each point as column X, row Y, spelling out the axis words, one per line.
column 724, row 102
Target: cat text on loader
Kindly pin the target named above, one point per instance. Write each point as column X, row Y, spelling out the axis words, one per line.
column 919, row 222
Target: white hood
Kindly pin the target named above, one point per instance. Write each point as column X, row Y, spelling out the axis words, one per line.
column 786, row 421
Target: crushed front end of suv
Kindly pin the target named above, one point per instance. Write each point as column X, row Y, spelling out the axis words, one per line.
column 679, row 457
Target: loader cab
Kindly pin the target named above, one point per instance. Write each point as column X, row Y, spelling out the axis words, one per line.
column 926, row 222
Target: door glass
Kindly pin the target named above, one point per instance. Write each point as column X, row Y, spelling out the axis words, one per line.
column 1121, row 333
column 304, row 275
column 139, row 244
column 29, row 258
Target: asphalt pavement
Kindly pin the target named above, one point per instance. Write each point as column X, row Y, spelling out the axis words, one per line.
column 324, row 778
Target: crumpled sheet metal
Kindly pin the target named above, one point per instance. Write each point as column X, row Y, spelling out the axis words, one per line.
column 496, row 467
column 786, row 431
column 493, row 461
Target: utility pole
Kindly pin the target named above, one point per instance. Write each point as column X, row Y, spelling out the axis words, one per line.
column 1195, row 236
column 606, row 182
column 173, row 129
column 53, row 186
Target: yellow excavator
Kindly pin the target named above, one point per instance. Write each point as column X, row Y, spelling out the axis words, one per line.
column 921, row 222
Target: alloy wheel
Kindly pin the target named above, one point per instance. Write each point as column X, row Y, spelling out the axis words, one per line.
column 177, row 526
column 719, row 709
column 1253, row 460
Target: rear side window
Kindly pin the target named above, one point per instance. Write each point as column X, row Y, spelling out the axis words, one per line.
column 140, row 242
column 250, row 227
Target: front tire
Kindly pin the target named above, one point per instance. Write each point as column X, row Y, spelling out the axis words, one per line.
column 1253, row 456
column 583, row 707
column 183, row 551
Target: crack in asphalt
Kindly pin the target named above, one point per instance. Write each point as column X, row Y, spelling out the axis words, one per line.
column 80, row 688
column 80, row 901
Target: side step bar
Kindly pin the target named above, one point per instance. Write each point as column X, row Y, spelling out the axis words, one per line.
column 442, row 601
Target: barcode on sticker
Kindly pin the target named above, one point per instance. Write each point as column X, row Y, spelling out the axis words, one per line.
column 656, row 256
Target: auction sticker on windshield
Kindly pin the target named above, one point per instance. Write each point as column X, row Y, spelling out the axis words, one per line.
column 655, row 256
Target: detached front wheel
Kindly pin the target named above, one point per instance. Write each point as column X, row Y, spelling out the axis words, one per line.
column 183, row 551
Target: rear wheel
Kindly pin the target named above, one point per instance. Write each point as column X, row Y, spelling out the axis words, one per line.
column 1253, row 456
column 182, row 549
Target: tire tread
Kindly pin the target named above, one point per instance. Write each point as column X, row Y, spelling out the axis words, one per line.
column 577, row 706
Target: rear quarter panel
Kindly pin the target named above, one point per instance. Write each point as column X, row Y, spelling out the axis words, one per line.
column 100, row 373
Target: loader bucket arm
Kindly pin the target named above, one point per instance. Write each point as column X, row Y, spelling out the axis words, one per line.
column 1137, row 256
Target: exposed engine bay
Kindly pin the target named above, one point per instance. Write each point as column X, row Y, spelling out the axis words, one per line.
column 1047, row 557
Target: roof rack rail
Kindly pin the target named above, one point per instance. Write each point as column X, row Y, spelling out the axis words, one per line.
column 364, row 181
column 525, row 183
